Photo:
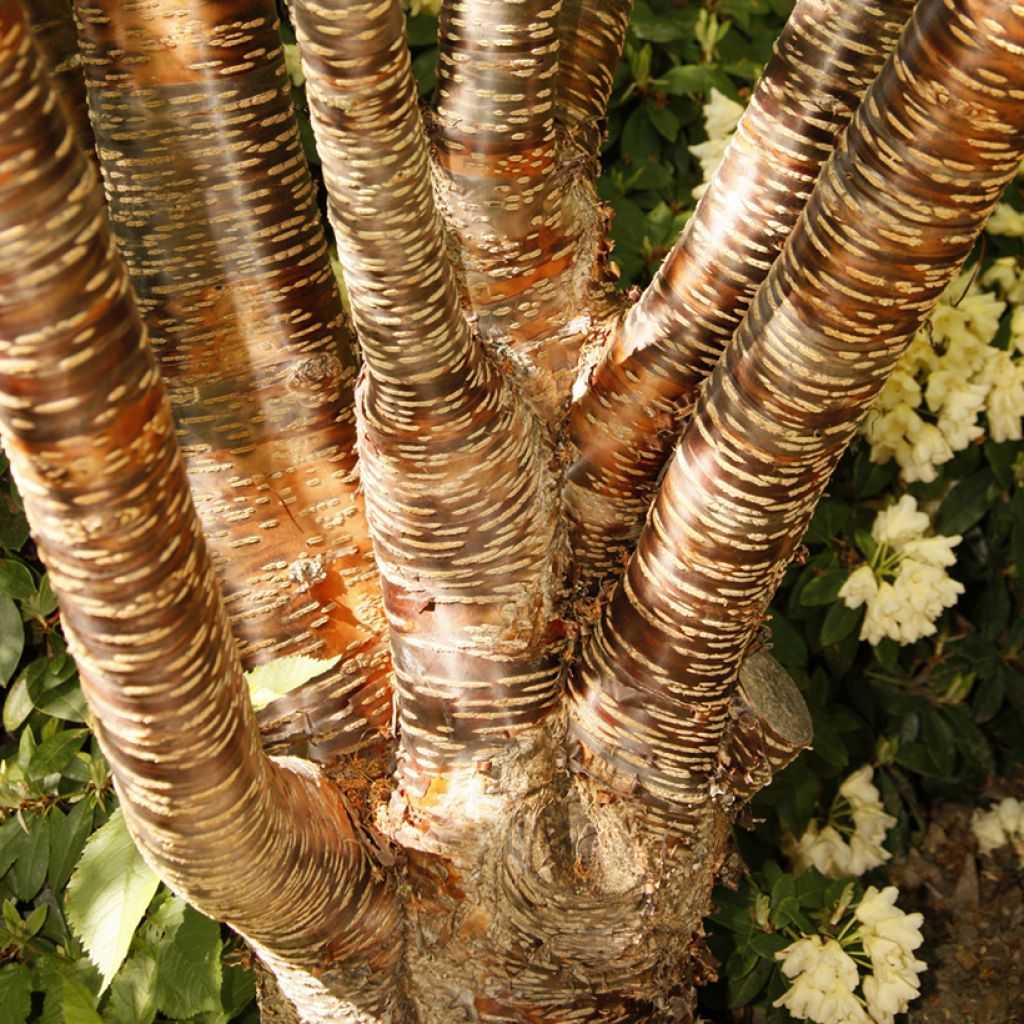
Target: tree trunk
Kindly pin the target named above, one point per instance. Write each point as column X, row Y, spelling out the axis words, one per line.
column 510, row 799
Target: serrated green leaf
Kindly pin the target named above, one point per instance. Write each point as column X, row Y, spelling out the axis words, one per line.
column 107, row 896
column 132, row 997
column 15, row 993
column 188, row 975
column 68, row 833
column 12, row 641
column 276, row 678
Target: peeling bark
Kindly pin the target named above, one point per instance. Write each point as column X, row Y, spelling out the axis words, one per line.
column 894, row 215
column 642, row 389
column 527, row 855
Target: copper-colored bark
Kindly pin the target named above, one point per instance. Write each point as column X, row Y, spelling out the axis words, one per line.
column 88, row 430
column 538, row 877
column 644, row 386
column 215, row 214
column 895, row 213
column 461, row 504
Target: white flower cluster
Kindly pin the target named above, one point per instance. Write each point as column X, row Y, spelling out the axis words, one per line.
column 721, row 115
column 999, row 826
column 905, row 586
column 889, row 937
column 850, row 841
column 293, row 62
column 1005, row 220
column 825, row 976
column 951, row 374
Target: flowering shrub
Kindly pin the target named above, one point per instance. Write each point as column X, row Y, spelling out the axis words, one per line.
column 905, row 585
column 849, row 841
column 825, row 973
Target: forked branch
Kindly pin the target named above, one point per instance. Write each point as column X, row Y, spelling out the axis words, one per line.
column 266, row 846
column 215, row 214
column 641, row 392
column 460, row 500
column 894, row 215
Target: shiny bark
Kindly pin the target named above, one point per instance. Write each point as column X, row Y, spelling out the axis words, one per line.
column 88, row 429
column 215, row 215
column 462, row 505
column 501, row 870
column 643, row 387
column 894, row 215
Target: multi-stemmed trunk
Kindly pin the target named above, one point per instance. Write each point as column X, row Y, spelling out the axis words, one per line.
column 509, row 798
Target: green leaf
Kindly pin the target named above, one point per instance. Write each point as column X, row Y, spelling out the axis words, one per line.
column 68, row 833
column 133, row 991
column 238, row 989
column 33, row 854
column 15, row 579
column 684, row 78
column 107, row 896
column 65, row 702
column 664, row 120
column 965, row 504
column 823, row 589
column 15, row 993
column 767, row 944
column 12, row 642
column 422, row 30
column 839, row 623
column 276, row 678
column 743, row 990
column 787, row 644
column 188, row 975
column 54, row 754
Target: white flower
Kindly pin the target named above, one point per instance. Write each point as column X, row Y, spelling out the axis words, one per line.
column 999, row 826
column 1005, row 220
column 988, row 830
column 951, row 374
column 899, row 523
column 293, row 62
column 860, row 586
column 823, row 981
column 721, row 115
column 911, row 588
column 889, row 937
column 826, row 849
column 859, row 789
column 883, row 919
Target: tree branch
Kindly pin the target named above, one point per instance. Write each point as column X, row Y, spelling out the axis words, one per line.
column 521, row 209
column 460, row 500
column 54, row 28
column 267, row 846
column 894, row 215
column 642, row 390
column 591, row 33
column 215, row 214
